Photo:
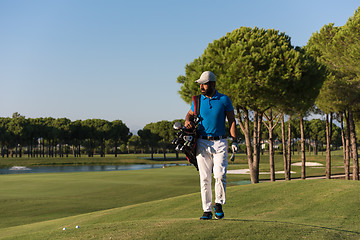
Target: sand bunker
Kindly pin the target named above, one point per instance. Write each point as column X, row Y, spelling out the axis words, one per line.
column 308, row 164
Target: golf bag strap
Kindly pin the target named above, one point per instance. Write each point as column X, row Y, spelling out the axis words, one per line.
column 196, row 101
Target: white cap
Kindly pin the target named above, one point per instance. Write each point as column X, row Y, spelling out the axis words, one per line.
column 205, row 77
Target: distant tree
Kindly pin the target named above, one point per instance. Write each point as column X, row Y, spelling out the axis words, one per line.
column 149, row 139
column 317, row 132
column 134, row 141
column 77, row 132
column 5, row 136
column 16, row 115
column 119, row 133
column 62, row 126
column 52, row 133
column 165, row 133
column 35, row 133
column 89, row 129
column 102, row 133
column 16, row 127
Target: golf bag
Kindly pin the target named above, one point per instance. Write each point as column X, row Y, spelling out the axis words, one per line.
column 186, row 138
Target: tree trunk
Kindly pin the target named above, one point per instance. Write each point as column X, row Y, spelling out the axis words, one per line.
column 354, row 147
column 345, row 142
column 244, row 125
column 270, row 127
column 287, row 174
column 20, row 151
column 102, row 148
column 116, row 146
column 36, row 150
column 60, row 150
column 328, row 145
column 256, row 141
column 28, row 150
column 42, row 148
column 73, row 150
column 79, row 150
column 164, row 151
column 55, row 149
column 271, row 156
column 289, row 148
column 303, row 158
column 152, row 153
column 7, row 151
column 49, row 148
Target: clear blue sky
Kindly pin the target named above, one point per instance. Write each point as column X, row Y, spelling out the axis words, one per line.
column 110, row 59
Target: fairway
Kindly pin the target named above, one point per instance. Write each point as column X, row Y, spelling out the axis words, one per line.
column 165, row 204
column 28, row 198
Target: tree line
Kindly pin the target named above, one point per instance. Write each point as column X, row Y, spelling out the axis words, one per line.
column 269, row 80
column 60, row 137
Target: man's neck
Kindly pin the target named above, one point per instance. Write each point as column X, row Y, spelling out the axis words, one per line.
column 211, row 94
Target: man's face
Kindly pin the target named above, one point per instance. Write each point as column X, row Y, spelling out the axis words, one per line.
column 207, row 88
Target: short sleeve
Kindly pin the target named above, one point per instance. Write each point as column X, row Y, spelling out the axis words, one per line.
column 228, row 104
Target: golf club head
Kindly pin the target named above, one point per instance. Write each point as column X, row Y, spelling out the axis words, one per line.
column 177, row 125
column 182, row 148
column 188, row 138
column 232, row 158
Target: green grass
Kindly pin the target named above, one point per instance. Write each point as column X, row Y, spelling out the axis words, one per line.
column 250, row 214
column 336, row 164
column 26, row 198
column 165, row 204
column 240, row 162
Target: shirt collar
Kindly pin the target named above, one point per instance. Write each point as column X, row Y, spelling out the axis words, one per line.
column 215, row 97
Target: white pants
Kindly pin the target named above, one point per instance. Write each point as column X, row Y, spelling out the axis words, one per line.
column 212, row 158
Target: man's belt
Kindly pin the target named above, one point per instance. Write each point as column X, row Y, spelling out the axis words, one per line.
column 213, row 138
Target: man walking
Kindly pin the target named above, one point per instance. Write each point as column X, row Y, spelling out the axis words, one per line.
column 212, row 146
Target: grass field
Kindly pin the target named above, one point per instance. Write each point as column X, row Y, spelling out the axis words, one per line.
column 240, row 162
column 165, row 204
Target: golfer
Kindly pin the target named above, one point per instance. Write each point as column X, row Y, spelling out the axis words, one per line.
column 212, row 145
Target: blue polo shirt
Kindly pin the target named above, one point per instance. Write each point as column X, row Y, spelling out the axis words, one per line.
column 213, row 114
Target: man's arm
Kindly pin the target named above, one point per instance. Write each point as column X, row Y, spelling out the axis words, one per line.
column 189, row 119
column 232, row 123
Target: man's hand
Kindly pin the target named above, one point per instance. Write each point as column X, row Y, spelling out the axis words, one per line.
column 189, row 124
column 234, row 146
column 231, row 119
